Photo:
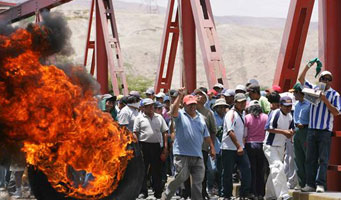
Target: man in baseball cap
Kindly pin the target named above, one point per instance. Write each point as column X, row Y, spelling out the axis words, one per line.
column 218, row 87
column 150, row 93
column 301, row 121
column 240, row 89
column 232, row 146
column 320, row 128
column 151, row 131
column 188, row 157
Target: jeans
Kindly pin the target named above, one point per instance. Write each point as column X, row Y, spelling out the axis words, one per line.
column 186, row 166
column 214, row 174
column 318, row 148
column 204, row 182
column 4, row 171
column 230, row 157
column 256, row 157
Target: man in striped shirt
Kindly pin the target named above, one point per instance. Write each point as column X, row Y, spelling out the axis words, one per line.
column 319, row 130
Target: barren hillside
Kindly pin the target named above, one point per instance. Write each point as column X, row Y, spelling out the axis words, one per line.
column 250, row 45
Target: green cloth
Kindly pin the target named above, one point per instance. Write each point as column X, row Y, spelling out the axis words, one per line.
column 318, row 68
column 318, row 65
column 264, row 104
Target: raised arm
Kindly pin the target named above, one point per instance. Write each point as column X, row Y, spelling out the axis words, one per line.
column 301, row 78
column 174, row 112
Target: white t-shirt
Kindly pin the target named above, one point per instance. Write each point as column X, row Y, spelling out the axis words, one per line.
column 233, row 122
column 127, row 116
column 150, row 130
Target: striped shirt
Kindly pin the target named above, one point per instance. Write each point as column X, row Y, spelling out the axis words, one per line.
column 277, row 120
column 320, row 117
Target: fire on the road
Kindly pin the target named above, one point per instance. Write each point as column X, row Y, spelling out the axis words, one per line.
column 57, row 120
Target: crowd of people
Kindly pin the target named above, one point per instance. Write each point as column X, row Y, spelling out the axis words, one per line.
column 198, row 144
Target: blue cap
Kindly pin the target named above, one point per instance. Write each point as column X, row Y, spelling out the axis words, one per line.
column 166, row 98
column 158, row 104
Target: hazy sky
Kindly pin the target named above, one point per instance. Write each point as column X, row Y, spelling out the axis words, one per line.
column 254, row 8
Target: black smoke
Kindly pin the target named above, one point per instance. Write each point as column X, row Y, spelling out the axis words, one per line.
column 54, row 35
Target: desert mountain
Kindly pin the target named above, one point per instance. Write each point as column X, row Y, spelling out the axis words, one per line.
column 250, row 45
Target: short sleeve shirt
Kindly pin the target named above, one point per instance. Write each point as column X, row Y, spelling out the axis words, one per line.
column 233, row 122
column 320, row 117
column 150, row 129
column 190, row 134
column 255, row 127
column 265, row 104
column 277, row 120
column 127, row 116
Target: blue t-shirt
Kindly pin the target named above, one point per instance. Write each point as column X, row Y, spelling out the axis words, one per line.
column 190, row 134
column 301, row 113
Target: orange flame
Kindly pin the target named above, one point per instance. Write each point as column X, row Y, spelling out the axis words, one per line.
column 60, row 125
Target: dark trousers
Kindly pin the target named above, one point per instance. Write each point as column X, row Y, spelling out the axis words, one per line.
column 300, row 149
column 230, row 157
column 318, row 148
column 256, row 157
column 204, row 182
column 153, row 164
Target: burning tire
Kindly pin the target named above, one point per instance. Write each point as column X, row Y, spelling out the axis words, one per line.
column 128, row 188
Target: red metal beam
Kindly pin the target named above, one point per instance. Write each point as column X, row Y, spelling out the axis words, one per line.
column 189, row 78
column 293, row 41
column 171, row 31
column 194, row 16
column 102, row 48
column 4, row 3
column 28, row 9
column 329, row 53
column 101, row 56
column 208, row 38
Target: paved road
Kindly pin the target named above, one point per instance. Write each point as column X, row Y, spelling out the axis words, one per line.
column 4, row 196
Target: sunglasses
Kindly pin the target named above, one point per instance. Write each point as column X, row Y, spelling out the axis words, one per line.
column 325, row 79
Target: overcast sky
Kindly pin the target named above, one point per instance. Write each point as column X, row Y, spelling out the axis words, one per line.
column 253, row 8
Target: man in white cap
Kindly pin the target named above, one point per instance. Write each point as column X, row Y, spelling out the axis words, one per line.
column 208, row 115
column 150, row 93
column 319, row 130
column 229, row 97
column 240, row 89
column 232, row 146
column 215, row 168
column 218, row 87
column 159, row 97
column 151, row 131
